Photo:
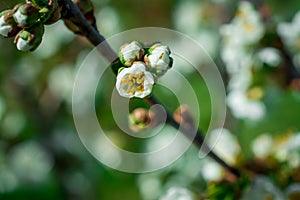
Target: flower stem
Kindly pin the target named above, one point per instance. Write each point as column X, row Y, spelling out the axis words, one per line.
column 73, row 13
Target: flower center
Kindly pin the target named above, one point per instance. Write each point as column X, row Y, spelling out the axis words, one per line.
column 133, row 83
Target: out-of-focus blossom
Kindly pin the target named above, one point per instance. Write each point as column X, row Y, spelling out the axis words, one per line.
column 262, row 146
column 225, row 144
column 178, row 193
column 287, row 150
column 211, row 171
column 135, row 81
column 243, row 107
column 269, row 56
column 244, row 31
column 61, row 81
column 290, row 33
column 262, row 188
column 30, row 162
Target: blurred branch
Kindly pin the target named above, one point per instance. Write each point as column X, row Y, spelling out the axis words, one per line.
column 73, row 13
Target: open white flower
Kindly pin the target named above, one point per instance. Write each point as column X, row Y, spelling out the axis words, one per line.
column 158, row 61
column 135, row 81
column 131, row 52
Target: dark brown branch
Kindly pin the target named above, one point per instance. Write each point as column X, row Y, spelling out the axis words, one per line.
column 74, row 14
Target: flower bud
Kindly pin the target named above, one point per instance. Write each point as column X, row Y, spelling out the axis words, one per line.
column 131, row 52
column 135, row 81
column 158, row 60
column 29, row 39
column 54, row 16
column 183, row 116
column 139, row 119
column 25, row 14
column 8, row 27
column 41, row 3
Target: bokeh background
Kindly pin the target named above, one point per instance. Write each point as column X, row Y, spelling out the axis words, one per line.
column 256, row 46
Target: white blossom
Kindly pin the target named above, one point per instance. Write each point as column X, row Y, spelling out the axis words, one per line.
column 131, row 52
column 290, row 33
column 262, row 145
column 158, row 61
column 225, row 144
column 135, row 81
column 243, row 107
column 270, row 56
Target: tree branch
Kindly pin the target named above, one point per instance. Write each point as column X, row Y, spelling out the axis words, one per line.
column 74, row 14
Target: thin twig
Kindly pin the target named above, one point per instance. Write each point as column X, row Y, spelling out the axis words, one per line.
column 74, row 14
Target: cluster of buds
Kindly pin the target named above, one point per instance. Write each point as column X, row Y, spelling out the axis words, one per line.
column 141, row 67
column 26, row 22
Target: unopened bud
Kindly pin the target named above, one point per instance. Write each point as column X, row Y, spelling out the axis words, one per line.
column 139, row 119
column 128, row 53
column 158, row 60
column 8, row 27
column 183, row 116
column 29, row 39
column 25, row 14
column 54, row 16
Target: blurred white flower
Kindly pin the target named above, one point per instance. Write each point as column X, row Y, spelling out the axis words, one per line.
column 225, row 144
column 290, row 33
column 178, row 193
column 187, row 16
column 30, row 162
column 61, row 81
column 13, row 123
column 248, row 20
column 8, row 180
column 270, row 56
column 211, row 171
column 150, row 186
column 135, row 81
column 262, row 188
column 289, row 150
column 262, row 146
column 108, row 20
column 243, row 107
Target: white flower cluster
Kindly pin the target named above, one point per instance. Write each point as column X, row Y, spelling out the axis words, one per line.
column 245, row 30
column 284, row 149
column 290, row 34
column 141, row 68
